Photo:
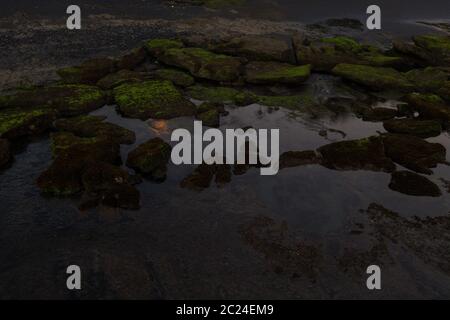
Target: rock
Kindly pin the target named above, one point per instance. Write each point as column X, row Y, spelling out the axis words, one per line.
column 132, row 59
column 208, row 106
column 177, row 77
column 67, row 100
column 298, row 158
column 362, row 154
column 122, row 196
column 89, row 72
column 150, row 159
column 152, row 99
column 210, row 118
column 5, row 153
column 64, row 140
column 427, row 80
column 94, row 127
column 213, row 94
column 64, row 176
column 276, row 73
column 431, row 50
column 113, row 80
column 429, row 106
column 158, row 46
column 413, row 153
column 101, row 176
column 379, row 114
column 204, row 64
column 326, row 53
column 262, row 48
column 19, row 122
column 419, row 128
column 375, row 78
column 412, row 184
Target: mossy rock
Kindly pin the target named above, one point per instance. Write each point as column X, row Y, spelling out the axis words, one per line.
column 150, row 159
column 157, row 46
column 5, row 153
column 204, row 64
column 213, row 94
column 64, row 176
column 428, row 80
column 276, row 73
column 132, row 59
column 379, row 114
column 113, row 80
column 177, row 77
column 326, row 53
column 429, row 106
column 413, row 152
column 374, row 78
column 89, row 72
column 152, row 99
column 19, row 122
column 67, row 100
column 437, row 47
column 260, row 48
column 419, row 128
column 210, row 118
column 64, row 140
column 94, row 127
column 362, row 154
column 101, row 176
column 412, row 184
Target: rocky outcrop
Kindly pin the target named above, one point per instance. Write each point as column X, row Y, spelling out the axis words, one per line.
column 419, row 128
column 412, row 184
column 89, row 72
column 276, row 73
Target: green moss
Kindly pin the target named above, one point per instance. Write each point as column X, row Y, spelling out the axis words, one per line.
column 434, row 42
column 213, row 94
column 290, row 102
column 163, row 44
column 344, row 43
column 260, row 73
column 63, row 140
column 179, row 78
column 210, row 118
column 152, row 99
column 23, row 121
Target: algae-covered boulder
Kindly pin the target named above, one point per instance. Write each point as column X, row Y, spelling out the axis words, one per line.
column 94, row 127
column 262, row 48
column 203, row 64
column 375, row 78
column 419, row 128
column 132, row 59
column 68, row 100
column 157, row 46
column 177, row 77
column 19, row 122
column 213, row 94
column 276, row 73
column 362, row 154
column 429, row 79
column 379, row 114
column 414, row 153
column 429, row 106
column 63, row 140
column 152, row 99
column 444, row 91
column 210, row 118
column 5, row 153
column 64, row 176
column 150, row 159
column 431, row 50
column 412, row 184
column 113, row 80
column 324, row 54
column 298, row 158
column 89, row 72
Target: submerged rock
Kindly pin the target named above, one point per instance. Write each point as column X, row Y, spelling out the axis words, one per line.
column 414, row 153
column 67, row 100
column 152, row 99
column 5, row 153
column 413, row 184
column 177, row 77
column 20, row 122
column 298, row 158
column 430, row 79
column 113, row 80
column 375, row 78
column 276, row 73
column 362, row 154
column 150, row 159
column 262, row 48
column 89, row 72
column 94, row 127
column 64, row 176
column 429, row 106
column 419, row 128
column 156, row 47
